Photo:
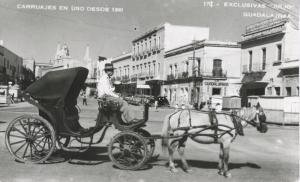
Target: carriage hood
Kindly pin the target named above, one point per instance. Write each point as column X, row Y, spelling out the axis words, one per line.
column 62, row 86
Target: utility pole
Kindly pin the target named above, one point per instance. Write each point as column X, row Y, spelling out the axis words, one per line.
column 193, row 94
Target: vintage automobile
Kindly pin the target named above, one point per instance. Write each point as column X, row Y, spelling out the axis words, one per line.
column 161, row 100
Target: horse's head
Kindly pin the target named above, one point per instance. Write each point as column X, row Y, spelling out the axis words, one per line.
column 260, row 119
column 256, row 117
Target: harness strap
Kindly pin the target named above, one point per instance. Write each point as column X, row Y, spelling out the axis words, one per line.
column 237, row 125
column 179, row 118
column 190, row 118
column 214, row 123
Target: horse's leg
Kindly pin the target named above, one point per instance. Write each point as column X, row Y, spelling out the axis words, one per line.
column 181, row 148
column 226, row 148
column 221, row 160
column 171, row 149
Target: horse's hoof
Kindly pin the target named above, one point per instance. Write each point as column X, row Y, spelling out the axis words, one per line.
column 227, row 175
column 221, row 173
column 173, row 170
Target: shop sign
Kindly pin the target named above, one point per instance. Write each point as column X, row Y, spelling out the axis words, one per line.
column 216, row 83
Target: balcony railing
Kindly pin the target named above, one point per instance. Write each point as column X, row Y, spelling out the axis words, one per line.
column 125, row 78
column 219, row 72
column 170, row 77
column 216, row 73
column 185, row 74
column 133, row 79
column 256, row 67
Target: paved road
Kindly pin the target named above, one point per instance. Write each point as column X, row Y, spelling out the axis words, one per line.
column 254, row 157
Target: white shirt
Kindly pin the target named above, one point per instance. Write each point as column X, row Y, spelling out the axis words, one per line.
column 105, row 87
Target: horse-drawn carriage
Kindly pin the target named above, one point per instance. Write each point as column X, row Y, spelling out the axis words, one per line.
column 34, row 138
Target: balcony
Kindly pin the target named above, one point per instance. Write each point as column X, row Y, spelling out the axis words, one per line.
column 148, row 51
column 116, row 78
column 133, row 79
column 185, row 74
column 155, row 49
column 219, row 73
column 289, row 64
column 142, row 75
column 256, row 67
column 125, row 79
column 170, row 77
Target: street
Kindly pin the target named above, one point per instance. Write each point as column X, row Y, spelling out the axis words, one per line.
column 273, row 156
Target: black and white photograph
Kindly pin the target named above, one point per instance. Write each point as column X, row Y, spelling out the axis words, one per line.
column 149, row 90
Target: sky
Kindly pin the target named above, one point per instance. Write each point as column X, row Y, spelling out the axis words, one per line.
column 33, row 33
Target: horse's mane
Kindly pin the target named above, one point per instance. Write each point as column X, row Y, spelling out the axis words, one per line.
column 247, row 113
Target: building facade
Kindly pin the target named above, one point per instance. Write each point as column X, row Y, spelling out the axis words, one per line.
column 28, row 72
column 124, row 79
column 148, row 52
column 270, row 59
column 201, row 70
column 63, row 59
column 41, row 69
column 10, row 66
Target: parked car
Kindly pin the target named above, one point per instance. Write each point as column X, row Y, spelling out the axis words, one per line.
column 141, row 99
column 162, row 101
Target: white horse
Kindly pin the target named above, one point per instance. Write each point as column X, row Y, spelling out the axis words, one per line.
column 197, row 125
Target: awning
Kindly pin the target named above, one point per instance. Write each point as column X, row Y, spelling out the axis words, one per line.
column 290, row 64
column 143, row 86
column 289, row 67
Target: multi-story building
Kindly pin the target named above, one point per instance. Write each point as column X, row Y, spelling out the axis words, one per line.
column 28, row 72
column 201, row 70
column 270, row 59
column 63, row 59
column 10, row 66
column 148, row 52
column 123, row 78
column 41, row 69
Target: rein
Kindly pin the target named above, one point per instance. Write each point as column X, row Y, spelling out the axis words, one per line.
column 251, row 122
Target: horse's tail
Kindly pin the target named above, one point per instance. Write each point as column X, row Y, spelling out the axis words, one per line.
column 165, row 131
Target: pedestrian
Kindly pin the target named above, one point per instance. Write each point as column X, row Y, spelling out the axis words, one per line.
column 156, row 105
column 218, row 107
column 106, row 90
column 13, row 97
column 84, row 99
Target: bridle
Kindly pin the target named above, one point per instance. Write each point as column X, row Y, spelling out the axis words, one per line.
column 252, row 121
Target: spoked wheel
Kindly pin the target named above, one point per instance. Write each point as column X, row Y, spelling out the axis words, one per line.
column 150, row 142
column 128, row 150
column 30, row 138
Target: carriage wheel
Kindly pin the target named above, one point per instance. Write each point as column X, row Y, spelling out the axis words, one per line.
column 150, row 142
column 128, row 150
column 30, row 138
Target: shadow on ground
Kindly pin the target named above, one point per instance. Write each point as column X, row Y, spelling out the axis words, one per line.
column 214, row 165
column 94, row 156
